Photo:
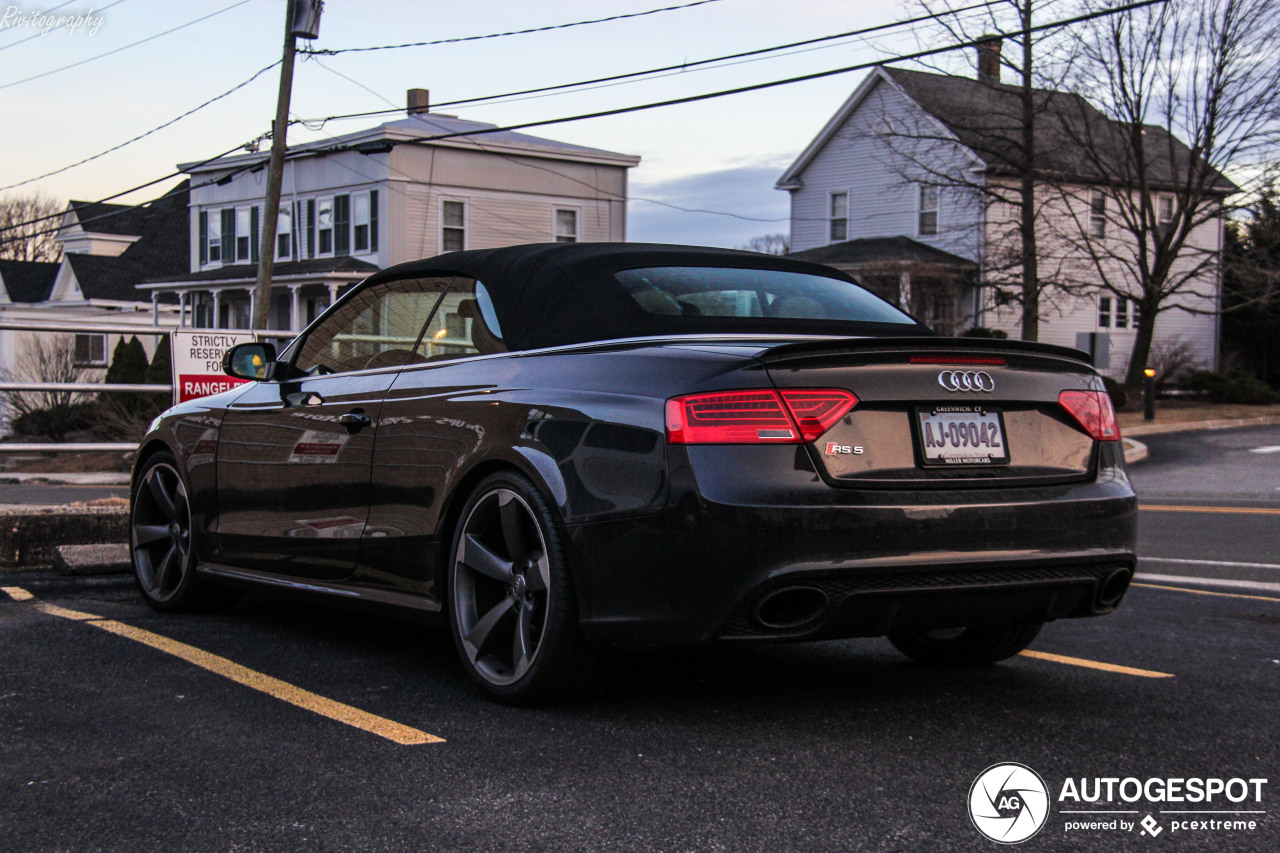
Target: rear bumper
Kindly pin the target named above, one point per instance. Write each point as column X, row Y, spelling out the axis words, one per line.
column 753, row 545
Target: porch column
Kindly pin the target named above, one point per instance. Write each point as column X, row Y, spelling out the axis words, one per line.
column 182, row 309
column 333, row 292
column 155, row 308
column 252, row 299
column 295, row 308
column 904, row 291
column 217, row 309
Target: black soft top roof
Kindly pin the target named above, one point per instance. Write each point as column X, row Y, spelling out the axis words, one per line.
column 549, row 294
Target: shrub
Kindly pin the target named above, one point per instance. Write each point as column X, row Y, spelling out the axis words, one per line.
column 983, row 332
column 1119, row 396
column 1231, row 388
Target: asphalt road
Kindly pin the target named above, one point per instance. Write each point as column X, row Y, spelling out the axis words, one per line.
column 110, row 743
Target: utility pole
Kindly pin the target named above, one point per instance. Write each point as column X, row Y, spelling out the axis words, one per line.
column 301, row 18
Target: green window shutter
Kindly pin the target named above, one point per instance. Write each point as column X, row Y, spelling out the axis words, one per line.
column 229, row 235
column 342, row 225
column 204, row 237
column 254, row 235
column 373, row 220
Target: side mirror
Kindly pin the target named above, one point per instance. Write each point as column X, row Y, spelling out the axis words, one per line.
column 249, row 361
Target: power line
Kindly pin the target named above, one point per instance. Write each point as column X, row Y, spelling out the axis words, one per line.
column 689, row 99
column 682, row 66
column 335, row 51
column 125, row 47
column 172, row 121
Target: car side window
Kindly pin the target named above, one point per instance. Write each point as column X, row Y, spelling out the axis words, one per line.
column 465, row 324
column 378, row 327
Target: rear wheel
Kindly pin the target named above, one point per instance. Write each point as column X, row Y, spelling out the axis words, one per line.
column 965, row 646
column 162, row 542
column 513, row 613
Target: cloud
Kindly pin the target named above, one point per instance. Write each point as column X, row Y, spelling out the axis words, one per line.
column 746, row 191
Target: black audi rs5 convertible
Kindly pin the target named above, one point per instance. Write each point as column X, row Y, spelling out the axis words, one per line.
column 563, row 449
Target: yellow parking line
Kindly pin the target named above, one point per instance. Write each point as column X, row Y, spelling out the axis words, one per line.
column 1243, row 510
column 1206, row 592
column 1093, row 664
column 281, row 690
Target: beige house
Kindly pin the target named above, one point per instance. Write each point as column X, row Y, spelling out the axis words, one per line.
column 404, row 190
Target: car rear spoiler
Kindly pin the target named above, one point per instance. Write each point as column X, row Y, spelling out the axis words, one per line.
column 810, row 349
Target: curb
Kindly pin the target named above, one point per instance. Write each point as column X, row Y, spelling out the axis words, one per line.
column 103, row 478
column 1193, row 426
column 29, row 536
column 1134, row 451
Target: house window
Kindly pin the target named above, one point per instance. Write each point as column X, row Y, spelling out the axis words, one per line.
column 839, row 217
column 229, row 234
column 1164, row 209
column 284, row 235
column 928, row 209
column 360, row 222
column 1104, row 312
column 242, row 234
column 324, row 225
column 1122, row 313
column 1098, row 214
column 91, row 351
column 566, row 226
column 1135, row 312
column 211, row 251
column 311, row 228
column 453, row 226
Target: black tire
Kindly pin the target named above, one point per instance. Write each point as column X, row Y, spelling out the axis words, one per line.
column 162, row 542
column 965, row 646
column 512, row 609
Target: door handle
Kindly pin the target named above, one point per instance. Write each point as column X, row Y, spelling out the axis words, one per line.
column 353, row 422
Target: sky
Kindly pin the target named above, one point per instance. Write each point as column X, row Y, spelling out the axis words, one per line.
column 721, row 155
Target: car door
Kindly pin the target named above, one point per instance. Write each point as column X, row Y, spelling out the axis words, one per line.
column 294, row 457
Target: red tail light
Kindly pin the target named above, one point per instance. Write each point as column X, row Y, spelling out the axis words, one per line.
column 756, row 417
column 1093, row 411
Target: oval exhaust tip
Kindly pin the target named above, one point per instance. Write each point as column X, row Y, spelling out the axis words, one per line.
column 790, row 607
column 1114, row 588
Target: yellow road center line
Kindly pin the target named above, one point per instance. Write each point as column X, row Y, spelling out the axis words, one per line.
column 1205, row 592
column 1093, row 664
column 282, row 690
column 1242, row 510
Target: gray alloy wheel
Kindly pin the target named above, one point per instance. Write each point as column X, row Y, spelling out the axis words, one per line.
column 161, row 541
column 511, row 604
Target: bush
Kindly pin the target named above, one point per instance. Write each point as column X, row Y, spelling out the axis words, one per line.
column 1119, row 396
column 55, row 421
column 1231, row 388
column 982, row 332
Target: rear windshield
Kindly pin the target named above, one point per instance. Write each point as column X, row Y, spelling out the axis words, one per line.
column 743, row 293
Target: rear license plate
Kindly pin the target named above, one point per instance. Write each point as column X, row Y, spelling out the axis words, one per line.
column 961, row 435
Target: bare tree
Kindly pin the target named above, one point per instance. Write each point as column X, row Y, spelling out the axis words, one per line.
column 1206, row 72
column 768, row 244
column 987, row 152
column 32, row 241
column 46, row 358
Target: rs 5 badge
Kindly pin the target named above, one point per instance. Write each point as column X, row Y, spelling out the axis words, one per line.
column 834, row 449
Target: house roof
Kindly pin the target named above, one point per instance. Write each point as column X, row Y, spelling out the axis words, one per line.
column 163, row 248
column 987, row 119
column 28, row 281
column 96, row 217
column 421, row 128
column 249, row 272
column 873, row 250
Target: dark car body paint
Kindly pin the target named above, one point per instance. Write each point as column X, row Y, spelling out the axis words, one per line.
column 667, row 544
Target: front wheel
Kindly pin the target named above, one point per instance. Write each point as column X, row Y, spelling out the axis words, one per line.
column 512, row 608
column 954, row 647
column 162, row 541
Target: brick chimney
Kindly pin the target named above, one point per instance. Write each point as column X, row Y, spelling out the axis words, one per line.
column 989, row 60
column 419, row 101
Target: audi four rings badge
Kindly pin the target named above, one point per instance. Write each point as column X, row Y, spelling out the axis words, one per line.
column 966, row 380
